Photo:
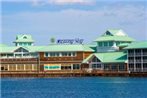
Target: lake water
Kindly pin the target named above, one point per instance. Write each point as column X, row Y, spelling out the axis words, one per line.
column 83, row 87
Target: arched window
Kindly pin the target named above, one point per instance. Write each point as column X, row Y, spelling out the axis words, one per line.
column 24, row 37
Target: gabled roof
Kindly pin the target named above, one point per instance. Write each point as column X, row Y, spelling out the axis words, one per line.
column 115, row 57
column 114, row 35
column 117, row 32
column 23, row 38
column 137, row 45
column 60, row 48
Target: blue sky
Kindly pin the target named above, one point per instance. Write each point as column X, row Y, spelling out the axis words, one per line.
column 86, row 19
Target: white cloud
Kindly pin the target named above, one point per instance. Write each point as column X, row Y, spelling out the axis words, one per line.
column 55, row 2
column 62, row 2
column 76, row 22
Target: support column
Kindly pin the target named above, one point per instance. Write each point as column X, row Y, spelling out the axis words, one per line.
column 16, row 67
column 71, row 66
column 32, row 66
column 24, row 67
column 134, row 61
column 8, row 67
column 141, row 60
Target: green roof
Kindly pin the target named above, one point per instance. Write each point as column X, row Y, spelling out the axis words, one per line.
column 115, row 38
column 8, row 49
column 123, row 45
column 114, row 35
column 60, row 48
column 11, row 49
column 109, row 57
column 50, row 48
column 24, row 38
column 3, row 45
column 137, row 45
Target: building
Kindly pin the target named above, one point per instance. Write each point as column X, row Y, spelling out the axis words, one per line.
column 113, row 51
column 137, row 57
column 24, row 56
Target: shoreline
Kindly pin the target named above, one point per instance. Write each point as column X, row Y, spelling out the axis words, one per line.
column 70, row 74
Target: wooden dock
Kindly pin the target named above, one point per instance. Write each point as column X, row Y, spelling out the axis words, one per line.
column 69, row 73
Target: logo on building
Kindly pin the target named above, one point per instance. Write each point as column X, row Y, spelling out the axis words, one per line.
column 70, row 41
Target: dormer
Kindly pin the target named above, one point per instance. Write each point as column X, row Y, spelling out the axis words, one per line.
column 114, row 32
column 24, row 40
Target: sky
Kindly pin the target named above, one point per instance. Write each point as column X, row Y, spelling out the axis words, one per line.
column 62, row 19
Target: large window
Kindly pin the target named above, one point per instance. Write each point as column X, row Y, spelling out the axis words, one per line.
column 111, row 43
column 117, row 43
column 100, row 44
column 131, row 52
column 138, row 52
column 105, row 43
column 114, row 67
column 95, row 59
column 60, row 54
column 122, row 67
column 76, row 66
column 106, row 67
column 65, row 67
column 96, row 66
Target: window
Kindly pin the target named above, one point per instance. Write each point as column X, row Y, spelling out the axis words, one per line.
column 145, row 65
column 130, row 52
column 96, row 66
column 117, row 43
column 73, row 54
column 64, row 53
column 24, row 37
column 145, row 59
column 131, row 65
column 108, row 33
column 95, row 59
column 100, row 44
column 46, row 54
column 65, row 67
column 106, row 67
column 60, row 54
column 138, row 59
column 76, row 66
column 122, row 67
column 29, row 44
column 52, row 54
column 111, row 43
column 114, row 67
column 105, row 43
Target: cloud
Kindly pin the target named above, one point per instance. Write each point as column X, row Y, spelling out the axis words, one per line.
column 75, row 22
column 55, row 2
column 63, row 2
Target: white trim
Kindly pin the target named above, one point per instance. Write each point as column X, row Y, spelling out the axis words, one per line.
column 16, row 67
column 24, row 66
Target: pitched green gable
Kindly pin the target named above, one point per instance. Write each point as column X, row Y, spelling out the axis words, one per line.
column 24, row 38
column 137, row 45
column 114, row 35
column 114, row 57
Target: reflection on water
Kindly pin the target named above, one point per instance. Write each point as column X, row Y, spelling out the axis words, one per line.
column 84, row 87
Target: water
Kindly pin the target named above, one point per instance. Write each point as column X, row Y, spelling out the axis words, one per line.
column 85, row 87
